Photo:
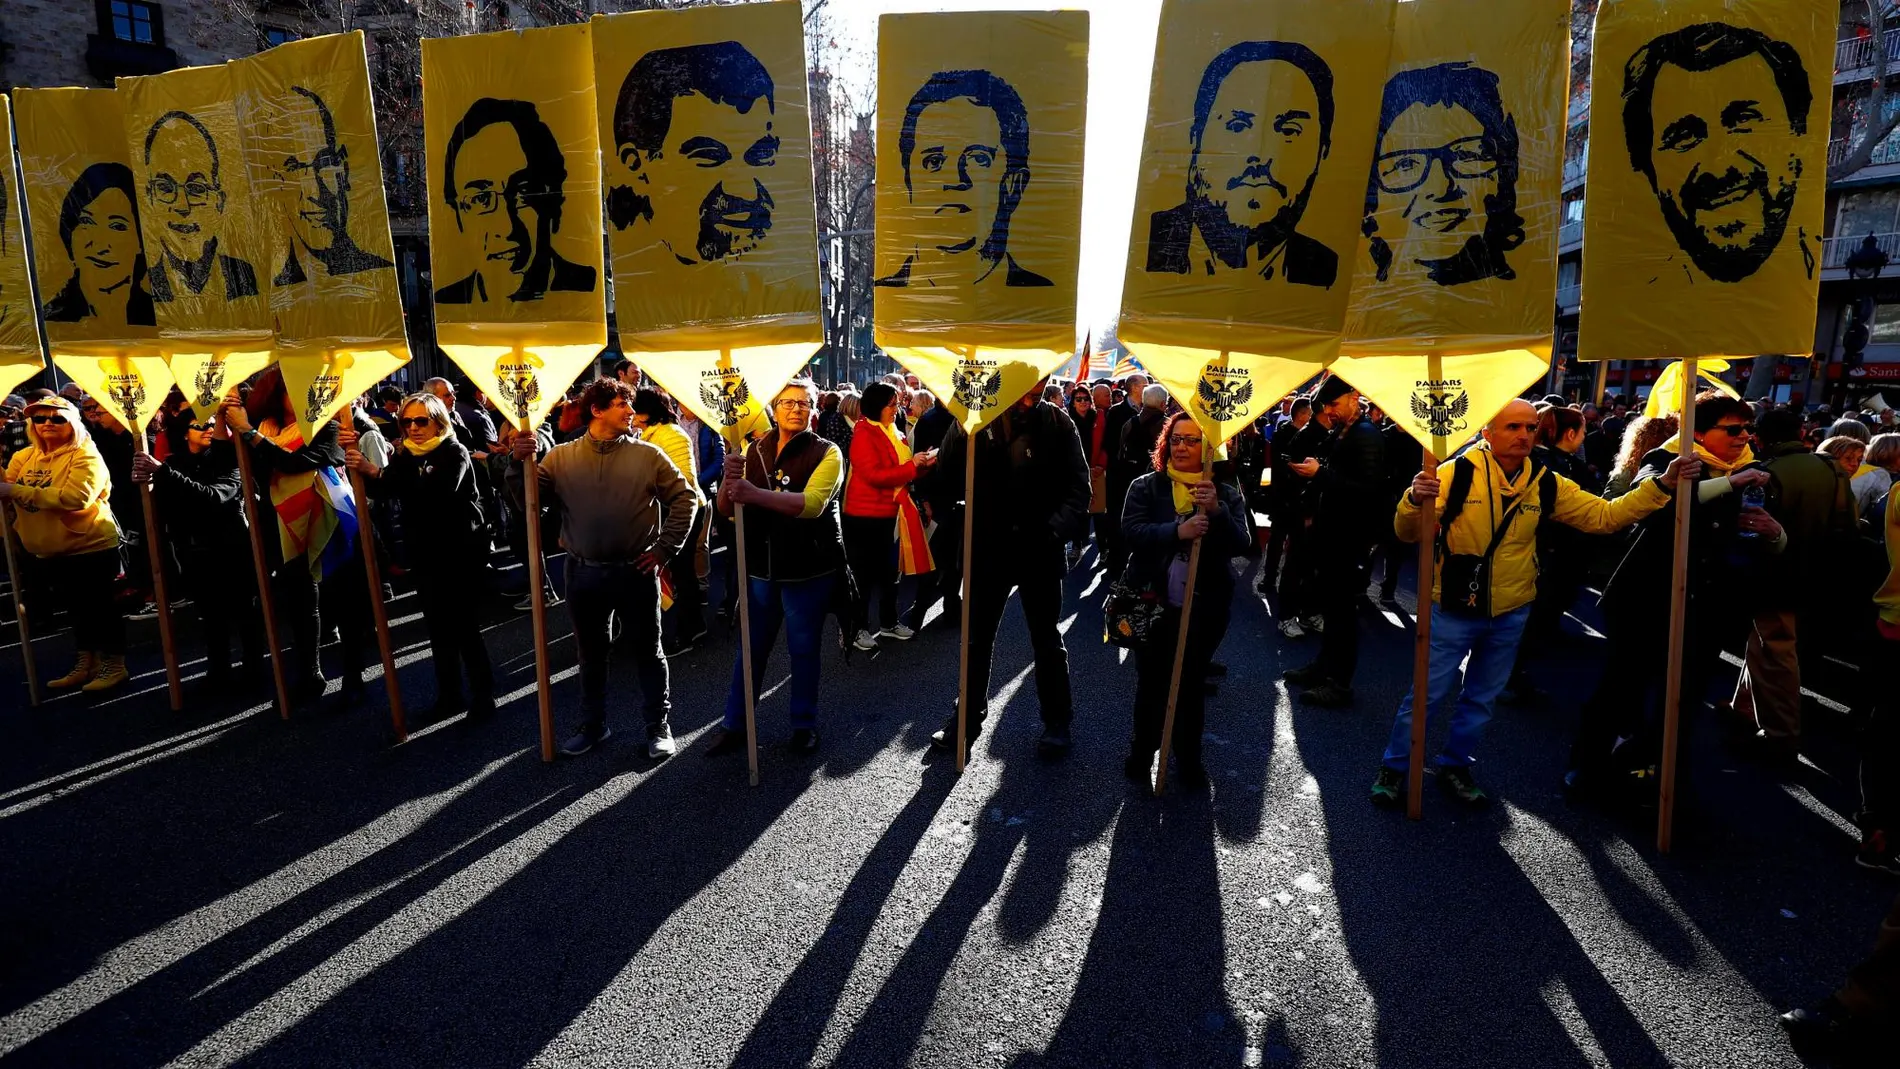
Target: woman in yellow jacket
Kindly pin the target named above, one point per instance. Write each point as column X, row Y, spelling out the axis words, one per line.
column 59, row 489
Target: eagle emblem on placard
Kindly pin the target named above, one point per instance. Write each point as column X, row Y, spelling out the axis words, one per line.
column 209, row 382
column 1223, row 398
column 517, row 383
column 976, row 386
column 321, row 395
column 1442, row 412
column 125, row 391
column 727, row 396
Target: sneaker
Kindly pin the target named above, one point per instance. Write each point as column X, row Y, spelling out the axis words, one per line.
column 1328, row 695
column 1054, row 741
column 1315, row 623
column 1878, row 852
column 726, row 740
column 1291, row 628
column 1388, row 788
column 660, row 742
column 865, row 641
column 945, row 737
column 804, row 741
column 1305, row 676
column 899, row 632
column 584, row 740
column 147, row 611
column 1456, row 781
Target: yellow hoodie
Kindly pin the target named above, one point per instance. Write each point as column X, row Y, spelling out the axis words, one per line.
column 59, row 498
column 1887, row 598
column 1514, row 567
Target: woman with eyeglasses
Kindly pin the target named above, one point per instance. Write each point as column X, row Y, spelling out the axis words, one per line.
column 1166, row 511
column 200, row 495
column 433, row 476
column 60, row 494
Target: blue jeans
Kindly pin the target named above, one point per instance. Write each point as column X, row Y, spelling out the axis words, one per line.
column 1492, row 645
column 801, row 607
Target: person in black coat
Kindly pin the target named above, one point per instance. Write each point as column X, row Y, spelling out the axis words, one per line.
column 433, row 476
column 200, row 500
column 1161, row 526
column 1117, row 417
column 1032, row 495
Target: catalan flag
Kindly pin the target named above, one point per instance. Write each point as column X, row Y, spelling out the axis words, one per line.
column 316, row 514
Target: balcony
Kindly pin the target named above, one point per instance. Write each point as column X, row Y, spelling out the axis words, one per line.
column 1885, row 153
column 1854, row 57
column 1574, row 171
column 1570, row 237
column 1836, row 250
column 1569, row 298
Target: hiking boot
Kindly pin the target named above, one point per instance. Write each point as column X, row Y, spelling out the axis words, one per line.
column 1290, row 628
column 1304, row 676
column 1329, row 695
column 111, row 674
column 1388, row 788
column 1456, row 781
column 83, row 670
column 1878, row 852
column 586, row 739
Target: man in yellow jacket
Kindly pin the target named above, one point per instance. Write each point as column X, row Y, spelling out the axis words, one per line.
column 1486, row 579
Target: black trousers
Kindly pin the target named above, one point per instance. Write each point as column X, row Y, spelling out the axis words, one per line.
column 451, row 610
column 1036, row 574
column 689, row 598
column 871, row 550
column 595, row 593
column 85, row 583
column 1341, row 582
column 1154, row 667
column 342, row 599
column 1299, row 577
column 224, row 589
column 1559, row 581
column 1628, row 700
column 946, row 549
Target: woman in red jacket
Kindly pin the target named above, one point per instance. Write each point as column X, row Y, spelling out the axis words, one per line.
column 883, row 529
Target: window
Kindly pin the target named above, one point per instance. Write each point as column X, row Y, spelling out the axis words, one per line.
column 1885, row 329
column 273, row 36
column 1870, row 211
column 135, row 22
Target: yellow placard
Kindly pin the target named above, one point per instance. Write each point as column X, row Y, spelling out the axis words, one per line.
column 1458, row 250
column 311, row 150
column 20, row 357
column 1251, row 196
column 706, row 146
column 1709, row 125
column 979, row 199
column 82, row 206
column 130, row 387
column 321, row 386
column 510, row 129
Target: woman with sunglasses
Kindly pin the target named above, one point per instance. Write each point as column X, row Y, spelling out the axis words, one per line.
column 433, row 476
column 200, row 497
column 60, row 493
column 1166, row 511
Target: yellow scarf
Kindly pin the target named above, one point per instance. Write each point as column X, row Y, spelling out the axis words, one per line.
column 1714, row 466
column 1184, row 482
column 425, row 448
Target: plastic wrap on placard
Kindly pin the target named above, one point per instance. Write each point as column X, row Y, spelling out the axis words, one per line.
column 1457, row 257
column 19, row 327
column 979, row 199
column 515, row 251
column 1709, row 124
column 1261, row 119
column 82, row 207
column 706, row 149
column 131, row 388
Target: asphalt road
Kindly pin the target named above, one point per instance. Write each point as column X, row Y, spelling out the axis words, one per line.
column 218, row 886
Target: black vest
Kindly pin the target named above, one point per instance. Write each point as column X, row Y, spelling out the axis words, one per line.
column 785, row 548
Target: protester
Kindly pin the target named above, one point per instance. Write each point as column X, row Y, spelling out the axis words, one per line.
column 318, row 572
column 1092, row 425
column 1643, row 435
column 200, row 495
column 1134, row 456
column 1812, row 500
column 1348, row 490
column 658, row 424
column 835, row 420
column 626, row 512
column 795, row 554
column 1167, row 510
column 62, row 513
column 1283, row 493
column 434, row 478
column 1122, row 411
column 1876, row 477
column 1491, row 501
column 883, row 528
column 1032, row 495
column 1303, row 595
column 1563, row 552
column 13, row 428
column 1619, row 731
column 114, row 444
column 1848, row 427
column 938, row 493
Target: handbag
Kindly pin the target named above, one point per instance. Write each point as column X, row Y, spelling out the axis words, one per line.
column 1130, row 613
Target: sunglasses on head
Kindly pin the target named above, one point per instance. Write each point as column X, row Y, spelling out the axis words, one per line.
column 58, row 420
column 415, row 421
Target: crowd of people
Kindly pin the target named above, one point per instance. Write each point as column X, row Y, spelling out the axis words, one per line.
column 854, row 497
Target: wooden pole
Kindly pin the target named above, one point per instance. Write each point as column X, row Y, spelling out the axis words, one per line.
column 266, row 602
column 543, row 684
column 963, row 640
column 1181, row 640
column 1422, row 645
column 745, row 645
column 366, row 540
column 19, row 610
column 1678, row 618
column 173, row 679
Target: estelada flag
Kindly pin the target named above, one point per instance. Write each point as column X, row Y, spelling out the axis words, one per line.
column 979, row 200
column 1252, row 191
column 1709, row 124
column 513, row 156
column 1457, row 260
column 310, row 147
column 706, row 145
column 19, row 327
column 82, row 208
column 208, row 275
